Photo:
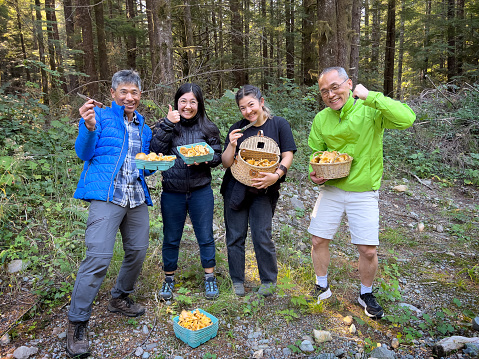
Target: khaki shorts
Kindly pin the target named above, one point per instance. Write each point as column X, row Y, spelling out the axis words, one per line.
column 361, row 208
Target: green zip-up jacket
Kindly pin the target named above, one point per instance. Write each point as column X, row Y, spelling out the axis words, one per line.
column 357, row 129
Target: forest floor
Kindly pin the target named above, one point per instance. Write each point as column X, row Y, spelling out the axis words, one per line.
column 433, row 270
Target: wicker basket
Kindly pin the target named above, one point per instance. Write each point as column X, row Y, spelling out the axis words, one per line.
column 332, row 170
column 196, row 337
column 255, row 147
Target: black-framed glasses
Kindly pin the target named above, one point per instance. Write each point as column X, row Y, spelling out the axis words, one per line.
column 334, row 88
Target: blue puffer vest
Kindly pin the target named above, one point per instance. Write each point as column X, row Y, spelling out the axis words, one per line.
column 104, row 151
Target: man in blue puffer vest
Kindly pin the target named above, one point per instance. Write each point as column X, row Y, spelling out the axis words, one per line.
column 108, row 141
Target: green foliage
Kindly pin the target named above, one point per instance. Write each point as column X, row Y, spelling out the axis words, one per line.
column 288, row 314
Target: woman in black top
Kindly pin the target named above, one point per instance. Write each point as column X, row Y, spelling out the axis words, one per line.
column 187, row 188
column 254, row 205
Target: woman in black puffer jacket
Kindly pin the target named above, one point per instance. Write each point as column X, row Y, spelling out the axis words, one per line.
column 187, row 188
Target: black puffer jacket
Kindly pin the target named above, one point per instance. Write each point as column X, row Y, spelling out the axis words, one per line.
column 182, row 178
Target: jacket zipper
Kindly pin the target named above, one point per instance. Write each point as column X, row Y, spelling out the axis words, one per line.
column 116, row 165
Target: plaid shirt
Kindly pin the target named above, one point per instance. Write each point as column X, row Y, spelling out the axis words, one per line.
column 127, row 182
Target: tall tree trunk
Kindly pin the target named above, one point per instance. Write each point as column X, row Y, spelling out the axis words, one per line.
column 426, row 42
column 237, row 43
column 264, row 47
column 22, row 40
column 289, row 12
column 246, row 21
column 451, row 40
column 165, row 54
column 279, row 48
column 308, row 60
column 367, row 38
column 390, row 49
column 41, row 50
column 49, row 8
column 399, row 93
column 101, row 40
column 131, row 37
column 84, row 21
column 221, row 47
column 375, row 36
column 460, row 36
column 356, row 27
column 59, row 50
column 333, row 34
column 152, row 18
column 189, row 44
column 70, row 32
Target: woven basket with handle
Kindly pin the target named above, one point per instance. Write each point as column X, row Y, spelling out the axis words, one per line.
column 332, row 170
column 255, row 147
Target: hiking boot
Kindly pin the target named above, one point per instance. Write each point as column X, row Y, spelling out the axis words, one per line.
column 239, row 289
column 371, row 306
column 266, row 289
column 166, row 292
column 211, row 288
column 77, row 340
column 126, row 306
column 320, row 293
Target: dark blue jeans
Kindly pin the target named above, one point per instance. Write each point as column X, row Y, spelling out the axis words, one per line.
column 258, row 211
column 199, row 205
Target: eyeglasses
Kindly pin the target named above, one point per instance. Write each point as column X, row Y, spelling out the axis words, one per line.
column 334, row 88
column 184, row 102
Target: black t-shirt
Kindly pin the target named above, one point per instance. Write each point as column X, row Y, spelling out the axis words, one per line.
column 276, row 128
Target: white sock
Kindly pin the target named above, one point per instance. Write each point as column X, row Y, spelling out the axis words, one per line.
column 322, row 281
column 365, row 289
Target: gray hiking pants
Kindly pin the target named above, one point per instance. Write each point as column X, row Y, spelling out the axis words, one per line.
column 104, row 219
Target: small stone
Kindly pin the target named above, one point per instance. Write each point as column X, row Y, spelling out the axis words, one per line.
column 16, row 265
column 145, row 329
column 306, row 346
column 145, row 355
column 297, row 203
column 139, row 351
column 62, row 335
column 352, row 329
column 475, row 323
column 339, row 353
column 420, row 227
column 321, row 336
column 24, row 352
column 56, row 330
column 400, row 188
column 5, row 339
column 287, row 352
column 410, row 307
column 258, row 354
column 439, row 228
column 395, row 343
column 348, row 320
column 382, row 353
column 178, row 357
column 151, row 346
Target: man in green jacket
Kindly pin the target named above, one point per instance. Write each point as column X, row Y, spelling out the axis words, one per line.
column 353, row 123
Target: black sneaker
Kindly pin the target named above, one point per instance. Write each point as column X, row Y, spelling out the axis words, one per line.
column 371, row 307
column 77, row 340
column 166, row 292
column 320, row 293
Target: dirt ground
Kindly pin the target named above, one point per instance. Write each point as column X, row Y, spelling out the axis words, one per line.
column 429, row 232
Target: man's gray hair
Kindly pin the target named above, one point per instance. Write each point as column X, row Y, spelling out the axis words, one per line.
column 341, row 72
column 126, row 77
